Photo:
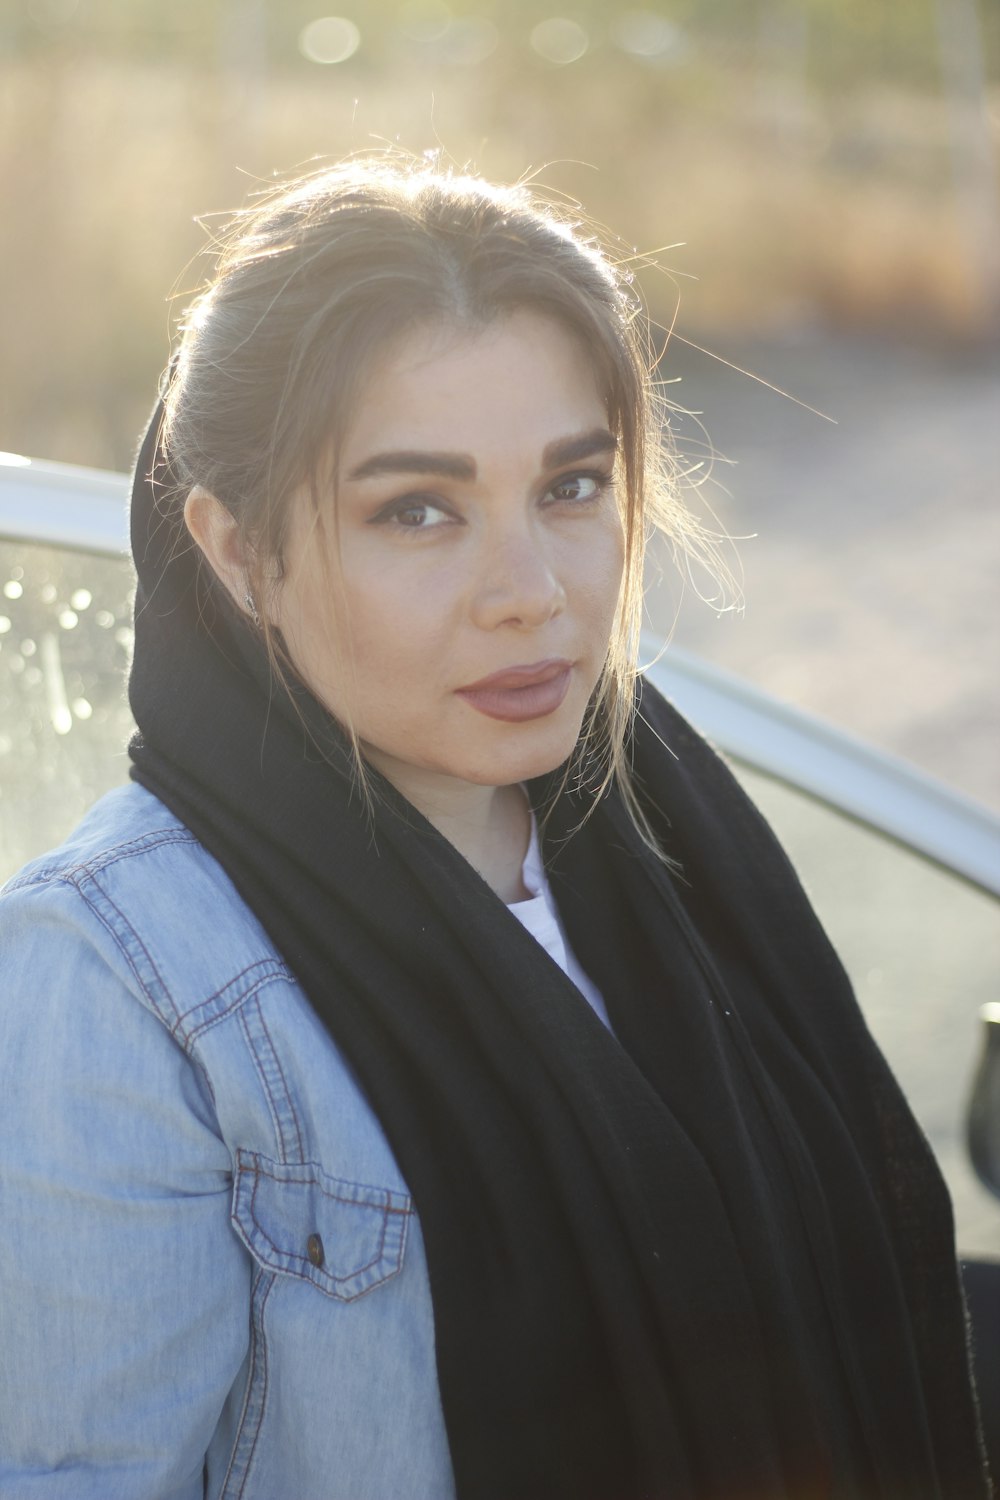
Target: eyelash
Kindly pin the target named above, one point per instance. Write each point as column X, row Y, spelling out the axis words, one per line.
column 396, row 508
column 392, row 512
column 601, row 478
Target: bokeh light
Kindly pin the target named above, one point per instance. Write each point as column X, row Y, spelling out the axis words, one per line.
column 424, row 20
column 643, row 33
column 468, row 40
column 329, row 39
column 559, row 40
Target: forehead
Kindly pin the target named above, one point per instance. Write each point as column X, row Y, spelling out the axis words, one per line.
column 521, row 381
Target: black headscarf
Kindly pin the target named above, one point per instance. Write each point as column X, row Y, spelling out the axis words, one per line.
column 707, row 1254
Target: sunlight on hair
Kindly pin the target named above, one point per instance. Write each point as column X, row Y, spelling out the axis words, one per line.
column 393, row 241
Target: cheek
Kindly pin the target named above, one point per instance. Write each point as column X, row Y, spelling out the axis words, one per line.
column 392, row 616
column 604, row 571
column 394, row 633
column 308, row 613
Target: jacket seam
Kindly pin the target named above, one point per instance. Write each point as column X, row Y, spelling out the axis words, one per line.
column 391, row 1264
column 277, row 974
column 160, row 1000
column 301, row 1259
column 266, row 1376
column 258, row 1358
column 313, row 1171
column 289, row 1096
column 277, row 1113
column 128, row 849
column 156, row 1005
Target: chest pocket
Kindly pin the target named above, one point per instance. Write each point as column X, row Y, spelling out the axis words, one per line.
column 342, row 1236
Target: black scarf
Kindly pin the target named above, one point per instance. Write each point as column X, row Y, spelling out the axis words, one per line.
column 708, row 1255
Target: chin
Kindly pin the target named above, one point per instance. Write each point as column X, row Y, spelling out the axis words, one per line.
column 524, row 762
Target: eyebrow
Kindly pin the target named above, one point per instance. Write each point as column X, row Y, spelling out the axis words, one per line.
column 416, row 461
column 585, row 445
column 462, row 466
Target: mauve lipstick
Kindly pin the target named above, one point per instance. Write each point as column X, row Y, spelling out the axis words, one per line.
column 518, row 694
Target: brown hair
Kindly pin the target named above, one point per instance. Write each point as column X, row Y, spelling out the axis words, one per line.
column 314, row 281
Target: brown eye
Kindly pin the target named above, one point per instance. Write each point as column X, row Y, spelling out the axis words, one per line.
column 578, row 489
column 412, row 514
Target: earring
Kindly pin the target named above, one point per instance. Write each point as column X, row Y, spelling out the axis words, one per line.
column 251, row 608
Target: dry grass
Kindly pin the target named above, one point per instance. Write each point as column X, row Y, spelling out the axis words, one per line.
column 789, row 211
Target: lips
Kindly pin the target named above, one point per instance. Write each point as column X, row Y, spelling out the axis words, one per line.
column 520, row 693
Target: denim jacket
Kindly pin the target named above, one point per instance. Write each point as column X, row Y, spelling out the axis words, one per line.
column 212, row 1279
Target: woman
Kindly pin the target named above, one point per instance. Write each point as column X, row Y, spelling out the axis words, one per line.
column 427, row 1077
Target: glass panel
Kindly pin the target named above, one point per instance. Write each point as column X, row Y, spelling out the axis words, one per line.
column 923, row 950
column 65, row 641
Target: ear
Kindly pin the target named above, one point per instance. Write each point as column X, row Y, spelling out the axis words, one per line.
column 217, row 535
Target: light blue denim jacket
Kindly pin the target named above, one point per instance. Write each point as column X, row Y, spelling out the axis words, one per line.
column 212, row 1280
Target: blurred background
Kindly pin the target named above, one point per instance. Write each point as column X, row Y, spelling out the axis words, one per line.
column 810, row 189
column 824, row 173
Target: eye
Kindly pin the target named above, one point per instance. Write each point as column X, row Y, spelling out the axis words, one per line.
column 580, row 489
column 413, row 513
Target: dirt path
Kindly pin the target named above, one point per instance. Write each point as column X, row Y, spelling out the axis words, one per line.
column 873, row 583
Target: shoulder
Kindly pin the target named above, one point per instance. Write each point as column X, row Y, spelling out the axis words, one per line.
column 123, row 824
column 131, row 944
column 130, row 846
column 134, row 886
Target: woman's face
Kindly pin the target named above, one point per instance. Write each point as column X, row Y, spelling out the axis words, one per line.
column 462, row 622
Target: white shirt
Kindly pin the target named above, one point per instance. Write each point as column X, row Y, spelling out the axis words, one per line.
column 540, row 917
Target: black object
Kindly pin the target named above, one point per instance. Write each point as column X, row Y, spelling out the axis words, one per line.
column 707, row 1256
column 983, row 1119
column 981, row 1279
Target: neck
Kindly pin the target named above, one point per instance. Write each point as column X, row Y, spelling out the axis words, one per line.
column 489, row 826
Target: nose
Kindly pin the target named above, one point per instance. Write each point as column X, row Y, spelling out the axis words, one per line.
column 518, row 584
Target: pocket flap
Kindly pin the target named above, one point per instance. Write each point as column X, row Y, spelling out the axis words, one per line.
column 343, row 1236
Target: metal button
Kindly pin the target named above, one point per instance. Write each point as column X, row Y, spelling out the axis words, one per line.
column 314, row 1249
